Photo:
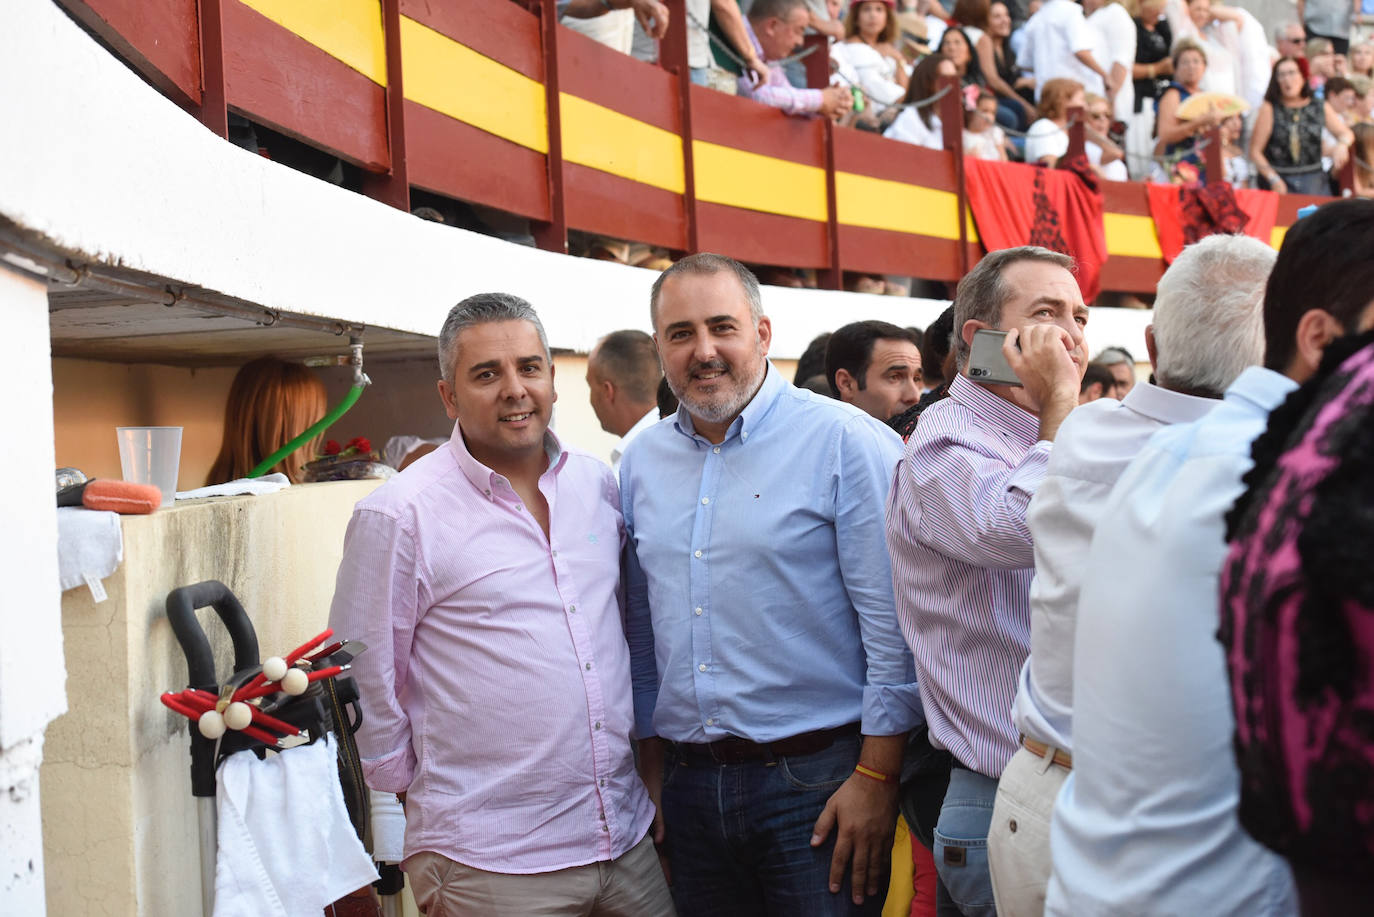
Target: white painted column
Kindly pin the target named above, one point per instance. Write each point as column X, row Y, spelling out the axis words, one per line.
column 32, row 672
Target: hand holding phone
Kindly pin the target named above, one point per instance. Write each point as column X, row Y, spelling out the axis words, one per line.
column 986, row 361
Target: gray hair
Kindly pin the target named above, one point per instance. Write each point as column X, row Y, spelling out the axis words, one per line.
column 763, row 10
column 982, row 293
column 1111, row 356
column 706, row 263
column 1208, row 321
column 480, row 309
column 1284, row 27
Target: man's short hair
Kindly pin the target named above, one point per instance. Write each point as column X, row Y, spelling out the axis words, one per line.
column 1337, row 85
column 851, row 348
column 1207, row 322
column 935, row 346
column 1283, row 27
column 1324, row 263
column 628, row 359
column 480, row 309
column 812, row 361
column 1111, row 356
column 982, row 293
column 1319, row 45
column 708, row 263
column 773, row 9
column 1097, row 372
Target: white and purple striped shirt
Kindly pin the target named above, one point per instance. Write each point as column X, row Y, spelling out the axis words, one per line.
column 962, row 565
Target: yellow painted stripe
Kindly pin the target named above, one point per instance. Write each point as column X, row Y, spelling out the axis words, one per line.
column 350, row 30
column 603, row 138
column 454, row 80
column 879, row 203
column 1131, row 236
column 753, row 181
column 1276, row 236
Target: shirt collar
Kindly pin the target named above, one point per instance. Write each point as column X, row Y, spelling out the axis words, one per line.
column 748, row 419
column 1165, row 406
column 1020, row 423
column 1260, row 389
column 490, row 482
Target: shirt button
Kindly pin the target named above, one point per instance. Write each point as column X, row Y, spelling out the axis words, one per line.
column 589, row 667
column 697, row 554
column 715, row 450
column 744, row 436
column 710, row 721
column 705, row 500
column 697, row 609
column 603, row 781
column 598, row 724
column 702, row 667
column 555, row 553
column 572, row 608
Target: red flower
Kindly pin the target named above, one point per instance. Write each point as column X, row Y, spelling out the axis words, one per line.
column 332, row 448
column 361, row 443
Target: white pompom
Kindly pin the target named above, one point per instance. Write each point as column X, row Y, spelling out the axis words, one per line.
column 274, row 668
column 295, row 682
column 238, row 715
column 211, row 724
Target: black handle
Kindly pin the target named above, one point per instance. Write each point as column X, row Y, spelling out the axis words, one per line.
column 200, row 661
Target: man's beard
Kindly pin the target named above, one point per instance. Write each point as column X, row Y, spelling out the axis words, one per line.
column 726, row 403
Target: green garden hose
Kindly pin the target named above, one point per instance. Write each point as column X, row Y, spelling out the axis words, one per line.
column 324, row 423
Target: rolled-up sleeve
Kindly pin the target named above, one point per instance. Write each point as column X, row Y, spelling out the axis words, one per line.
column 377, row 601
column 639, row 626
column 867, row 454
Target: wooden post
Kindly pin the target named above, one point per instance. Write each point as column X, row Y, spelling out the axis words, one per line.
column 1345, row 178
column 951, row 108
column 552, row 235
column 817, row 63
column 832, row 278
column 1076, row 136
column 1212, row 158
column 214, row 112
column 393, row 186
column 672, row 57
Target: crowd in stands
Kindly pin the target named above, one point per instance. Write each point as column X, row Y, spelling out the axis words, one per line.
column 1152, row 78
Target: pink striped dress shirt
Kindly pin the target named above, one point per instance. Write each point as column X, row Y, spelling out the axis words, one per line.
column 496, row 684
column 962, row 565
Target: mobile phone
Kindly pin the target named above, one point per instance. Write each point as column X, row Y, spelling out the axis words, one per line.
column 986, row 362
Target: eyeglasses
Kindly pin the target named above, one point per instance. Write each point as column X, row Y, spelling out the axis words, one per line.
column 1098, row 116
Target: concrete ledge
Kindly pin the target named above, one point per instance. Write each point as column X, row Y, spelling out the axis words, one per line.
column 119, row 824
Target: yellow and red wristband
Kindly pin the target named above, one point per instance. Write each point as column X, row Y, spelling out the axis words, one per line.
column 871, row 774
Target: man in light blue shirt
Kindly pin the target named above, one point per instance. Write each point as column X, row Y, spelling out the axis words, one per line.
column 1146, row 823
column 765, row 651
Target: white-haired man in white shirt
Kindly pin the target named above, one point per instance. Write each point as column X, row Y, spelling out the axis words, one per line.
column 1207, row 329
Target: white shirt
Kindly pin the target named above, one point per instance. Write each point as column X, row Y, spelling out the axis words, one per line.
column 909, row 128
column 1092, row 449
column 615, row 29
column 642, row 424
column 1117, row 29
column 1146, row 823
column 1054, row 35
column 1045, row 138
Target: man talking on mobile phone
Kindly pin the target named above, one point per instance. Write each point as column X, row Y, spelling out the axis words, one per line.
column 962, row 560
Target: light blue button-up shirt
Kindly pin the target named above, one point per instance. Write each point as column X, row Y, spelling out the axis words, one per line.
column 758, row 588
column 1146, row 823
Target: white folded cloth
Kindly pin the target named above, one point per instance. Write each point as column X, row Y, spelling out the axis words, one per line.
column 267, row 484
column 286, row 846
column 90, row 545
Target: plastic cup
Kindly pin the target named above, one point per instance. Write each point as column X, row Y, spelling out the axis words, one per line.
column 151, row 455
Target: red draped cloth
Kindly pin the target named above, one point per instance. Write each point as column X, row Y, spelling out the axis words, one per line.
column 1015, row 204
column 1183, row 214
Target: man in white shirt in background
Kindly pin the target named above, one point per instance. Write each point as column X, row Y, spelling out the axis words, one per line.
column 1116, row 28
column 623, row 376
column 1147, row 821
column 1060, row 43
column 1207, row 329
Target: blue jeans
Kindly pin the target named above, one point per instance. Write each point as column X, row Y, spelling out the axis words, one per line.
column 961, row 846
column 701, row 76
column 739, row 836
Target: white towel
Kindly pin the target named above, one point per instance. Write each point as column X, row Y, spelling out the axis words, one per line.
column 90, row 545
column 286, row 846
column 267, row 484
column 388, row 827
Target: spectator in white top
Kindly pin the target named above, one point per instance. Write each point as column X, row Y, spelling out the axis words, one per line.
column 921, row 125
column 622, row 378
column 1059, row 43
column 1117, row 29
column 1237, row 52
column 1048, row 138
column 612, row 22
column 1207, row 329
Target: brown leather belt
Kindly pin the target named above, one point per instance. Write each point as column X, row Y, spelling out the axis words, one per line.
column 1062, row 758
column 734, row 750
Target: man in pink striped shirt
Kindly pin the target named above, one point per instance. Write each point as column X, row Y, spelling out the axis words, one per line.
column 485, row 580
column 962, row 561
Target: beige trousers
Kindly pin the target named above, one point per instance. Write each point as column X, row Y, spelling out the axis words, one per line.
column 630, row 886
column 1019, row 838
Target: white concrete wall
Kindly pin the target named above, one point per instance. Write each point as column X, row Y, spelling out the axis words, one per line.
column 32, row 672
